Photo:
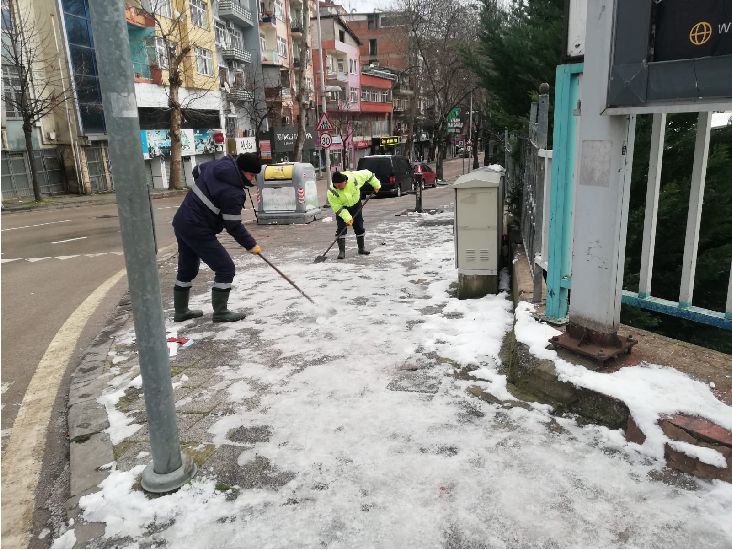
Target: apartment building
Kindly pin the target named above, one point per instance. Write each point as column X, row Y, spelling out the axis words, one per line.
column 70, row 146
column 281, row 26
column 340, row 70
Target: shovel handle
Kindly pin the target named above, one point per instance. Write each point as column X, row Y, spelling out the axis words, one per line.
column 285, row 277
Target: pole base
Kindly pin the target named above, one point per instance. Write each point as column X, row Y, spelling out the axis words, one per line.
column 598, row 346
column 165, row 483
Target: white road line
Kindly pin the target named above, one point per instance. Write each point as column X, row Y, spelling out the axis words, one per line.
column 36, row 225
column 24, row 452
column 68, row 240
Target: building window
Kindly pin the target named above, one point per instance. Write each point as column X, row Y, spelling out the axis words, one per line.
column 162, row 7
column 236, row 39
column 11, row 87
column 341, row 66
column 204, row 61
column 281, row 46
column 262, row 43
column 83, row 61
column 279, row 10
column 352, row 66
column 222, row 35
column 354, row 95
column 158, row 51
column 364, row 95
column 385, row 97
column 373, row 50
column 342, row 35
column 199, row 13
column 372, row 21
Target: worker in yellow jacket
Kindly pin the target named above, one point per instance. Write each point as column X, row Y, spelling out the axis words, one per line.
column 344, row 197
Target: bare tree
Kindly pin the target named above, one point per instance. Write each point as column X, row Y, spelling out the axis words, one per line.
column 248, row 95
column 438, row 42
column 300, row 97
column 344, row 121
column 178, row 57
column 35, row 87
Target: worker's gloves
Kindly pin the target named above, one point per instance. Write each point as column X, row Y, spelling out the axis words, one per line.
column 350, row 222
column 256, row 249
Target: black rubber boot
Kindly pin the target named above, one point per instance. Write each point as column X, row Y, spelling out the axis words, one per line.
column 180, row 301
column 362, row 246
column 219, row 300
column 341, row 248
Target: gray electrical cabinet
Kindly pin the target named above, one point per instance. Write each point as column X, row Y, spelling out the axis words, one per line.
column 287, row 193
column 478, row 231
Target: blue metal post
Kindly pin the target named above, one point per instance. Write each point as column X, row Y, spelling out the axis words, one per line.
column 558, row 278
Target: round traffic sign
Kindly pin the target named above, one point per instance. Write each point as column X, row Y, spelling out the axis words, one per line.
column 325, row 140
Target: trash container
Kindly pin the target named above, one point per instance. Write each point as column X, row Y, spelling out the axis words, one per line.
column 287, row 193
column 478, row 231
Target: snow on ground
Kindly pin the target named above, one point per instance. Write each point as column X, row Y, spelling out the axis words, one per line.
column 382, row 455
column 650, row 391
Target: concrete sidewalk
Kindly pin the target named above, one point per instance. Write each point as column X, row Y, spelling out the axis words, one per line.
column 388, row 424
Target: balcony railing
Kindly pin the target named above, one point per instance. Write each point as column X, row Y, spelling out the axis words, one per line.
column 296, row 27
column 272, row 57
column 142, row 72
column 336, row 76
column 240, row 95
column 268, row 20
column 228, row 9
column 237, row 54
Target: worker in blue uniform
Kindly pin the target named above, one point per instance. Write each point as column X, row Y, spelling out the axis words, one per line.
column 213, row 204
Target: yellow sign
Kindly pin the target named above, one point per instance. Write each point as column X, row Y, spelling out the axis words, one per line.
column 278, row 172
column 389, row 140
column 700, row 33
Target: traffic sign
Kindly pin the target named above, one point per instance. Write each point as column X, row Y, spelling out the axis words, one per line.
column 325, row 140
column 324, row 124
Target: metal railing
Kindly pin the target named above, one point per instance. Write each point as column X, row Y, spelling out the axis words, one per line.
column 16, row 173
column 682, row 308
column 237, row 54
column 141, row 70
column 533, row 180
column 229, row 9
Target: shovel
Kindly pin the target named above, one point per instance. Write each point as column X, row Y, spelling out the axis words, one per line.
column 286, row 278
column 321, row 258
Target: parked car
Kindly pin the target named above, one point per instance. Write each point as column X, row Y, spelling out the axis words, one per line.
column 394, row 172
column 425, row 174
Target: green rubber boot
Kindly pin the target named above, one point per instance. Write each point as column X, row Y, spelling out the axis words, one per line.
column 219, row 300
column 362, row 246
column 180, row 301
column 341, row 248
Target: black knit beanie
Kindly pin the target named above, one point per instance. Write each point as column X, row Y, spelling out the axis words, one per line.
column 249, row 162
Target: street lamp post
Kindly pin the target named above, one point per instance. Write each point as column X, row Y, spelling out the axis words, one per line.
column 322, row 91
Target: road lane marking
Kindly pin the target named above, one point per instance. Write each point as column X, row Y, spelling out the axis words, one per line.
column 68, row 240
column 25, row 448
column 36, row 225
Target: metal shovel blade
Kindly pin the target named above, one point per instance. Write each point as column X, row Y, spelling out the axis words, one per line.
column 319, row 260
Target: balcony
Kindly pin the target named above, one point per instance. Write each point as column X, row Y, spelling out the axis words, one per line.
column 237, row 54
column 268, row 20
column 239, row 95
column 296, row 28
column 277, row 94
column 138, row 17
column 336, row 77
column 228, row 9
column 150, row 74
column 272, row 57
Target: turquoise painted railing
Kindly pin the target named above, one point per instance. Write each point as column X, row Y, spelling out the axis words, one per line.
column 559, row 246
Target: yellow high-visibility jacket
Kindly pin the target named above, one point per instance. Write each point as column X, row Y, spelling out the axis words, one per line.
column 341, row 199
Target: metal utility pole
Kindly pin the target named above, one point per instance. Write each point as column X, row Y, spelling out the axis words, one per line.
column 470, row 135
column 602, row 192
column 322, row 88
column 169, row 468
